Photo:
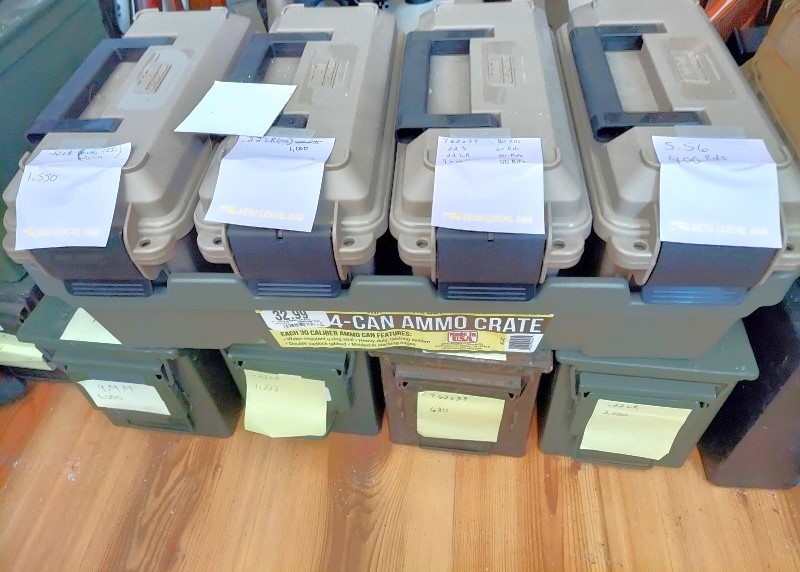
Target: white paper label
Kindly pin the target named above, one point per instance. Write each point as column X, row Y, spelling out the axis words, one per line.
column 238, row 109
column 293, row 320
column 489, row 185
column 67, row 197
column 270, row 182
column 123, row 395
column 718, row 192
column 84, row 328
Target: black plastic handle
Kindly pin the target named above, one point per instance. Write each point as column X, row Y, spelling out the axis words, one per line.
column 412, row 109
column 262, row 48
column 63, row 113
column 607, row 119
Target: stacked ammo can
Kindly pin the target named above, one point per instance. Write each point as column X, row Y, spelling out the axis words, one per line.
column 32, row 54
column 631, row 344
column 109, row 100
column 349, row 103
column 755, row 439
column 435, row 400
column 637, row 412
column 155, row 384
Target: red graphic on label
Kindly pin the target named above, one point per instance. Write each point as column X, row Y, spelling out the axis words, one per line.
column 463, row 336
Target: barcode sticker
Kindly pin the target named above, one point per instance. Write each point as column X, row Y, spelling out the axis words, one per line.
column 293, row 320
column 525, row 343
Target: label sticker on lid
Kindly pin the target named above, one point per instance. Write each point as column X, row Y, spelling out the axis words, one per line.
column 489, row 185
column 270, row 182
column 720, row 192
column 67, row 197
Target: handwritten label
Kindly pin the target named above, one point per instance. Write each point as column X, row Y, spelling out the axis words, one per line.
column 231, row 108
column 633, row 429
column 84, row 328
column 67, row 197
column 489, row 185
column 270, row 182
column 444, row 415
column 14, row 353
column 123, row 395
column 718, row 192
column 280, row 405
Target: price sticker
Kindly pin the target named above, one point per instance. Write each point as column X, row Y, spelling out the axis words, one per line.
column 294, row 319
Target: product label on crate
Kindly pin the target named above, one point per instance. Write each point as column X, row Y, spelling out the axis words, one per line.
column 419, row 330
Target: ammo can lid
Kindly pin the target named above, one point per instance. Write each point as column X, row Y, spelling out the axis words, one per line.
column 731, row 359
column 258, row 353
column 186, row 51
column 513, row 362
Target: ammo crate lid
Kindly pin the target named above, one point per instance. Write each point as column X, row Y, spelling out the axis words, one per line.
column 50, row 318
column 264, row 353
column 539, row 360
column 731, row 359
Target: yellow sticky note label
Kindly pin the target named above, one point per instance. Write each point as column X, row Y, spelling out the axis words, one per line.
column 444, row 415
column 634, row 429
column 84, row 328
column 14, row 353
column 285, row 405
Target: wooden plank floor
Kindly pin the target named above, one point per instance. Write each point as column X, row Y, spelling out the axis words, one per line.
column 77, row 493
